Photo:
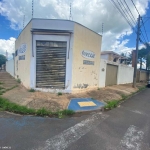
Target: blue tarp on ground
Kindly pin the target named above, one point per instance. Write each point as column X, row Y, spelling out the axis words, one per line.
column 73, row 105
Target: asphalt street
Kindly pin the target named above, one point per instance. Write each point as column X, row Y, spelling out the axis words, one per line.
column 126, row 127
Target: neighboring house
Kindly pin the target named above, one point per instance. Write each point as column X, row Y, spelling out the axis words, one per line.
column 113, row 57
column 113, row 69
column 57, row 55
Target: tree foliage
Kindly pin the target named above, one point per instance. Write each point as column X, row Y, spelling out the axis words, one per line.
column 2, row 60
column 144, row 54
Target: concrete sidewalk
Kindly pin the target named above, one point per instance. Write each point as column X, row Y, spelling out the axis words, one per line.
column 53, row 102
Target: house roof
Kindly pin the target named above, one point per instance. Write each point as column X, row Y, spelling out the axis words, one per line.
column 112, row 52
column 59, row 20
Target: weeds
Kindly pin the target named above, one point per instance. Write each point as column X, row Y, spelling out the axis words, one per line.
column 1, row 88
column 11, row 88
column 1, row 83
column 32, row 90
column 124, row 97
column 12, row 107
column 142, row 88
column 98, row 88
column 59, row 93
column 18, row 80
column 112, row 104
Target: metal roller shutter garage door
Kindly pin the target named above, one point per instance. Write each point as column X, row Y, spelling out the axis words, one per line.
column 51, row 64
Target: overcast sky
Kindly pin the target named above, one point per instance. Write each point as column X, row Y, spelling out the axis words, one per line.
column 117, row 36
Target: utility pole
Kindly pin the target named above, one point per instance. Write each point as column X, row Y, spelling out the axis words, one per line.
column 136, row 54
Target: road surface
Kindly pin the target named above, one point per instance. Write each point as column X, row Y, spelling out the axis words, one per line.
column 124, row 128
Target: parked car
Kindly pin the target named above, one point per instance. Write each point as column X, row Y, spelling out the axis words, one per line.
column 148, row 83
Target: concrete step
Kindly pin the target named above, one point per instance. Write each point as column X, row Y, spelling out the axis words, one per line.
column 7, row 80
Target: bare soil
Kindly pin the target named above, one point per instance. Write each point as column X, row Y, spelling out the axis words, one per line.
column 53, row 102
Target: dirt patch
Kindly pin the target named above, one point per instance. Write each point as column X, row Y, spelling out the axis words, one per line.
column 53, row 102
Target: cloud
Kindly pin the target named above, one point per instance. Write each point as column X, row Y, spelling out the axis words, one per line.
column 91, row 13
column 7, row 45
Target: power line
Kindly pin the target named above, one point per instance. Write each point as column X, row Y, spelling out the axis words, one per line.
column 142, row 21
column 128, row 16
column 129, row 10
column 121, row 13
column 135, row 7
column 143, row 36
column 124, row 12
column 145, row 30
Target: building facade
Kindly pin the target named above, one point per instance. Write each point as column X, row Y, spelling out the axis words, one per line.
column 57, row 55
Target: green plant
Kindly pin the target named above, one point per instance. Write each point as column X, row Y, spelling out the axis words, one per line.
column 60, row 115
column 12, row 107
column 142, row 88
column 1, row 88
column 31, row 90
column 98, row 88
column 67, row 112
column 112, row 104
column 18, row 80
column 43, row 112
column 59, row 93
column 11, row 88
column 124, row 96
column 1, row 83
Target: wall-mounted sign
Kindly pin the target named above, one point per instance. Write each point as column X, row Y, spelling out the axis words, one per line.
column 22, row 49
column 22, row 57
column 87, row 62
column 88, row 54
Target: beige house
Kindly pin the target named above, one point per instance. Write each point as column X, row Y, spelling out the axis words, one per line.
column 113, row 57
column 57, row 55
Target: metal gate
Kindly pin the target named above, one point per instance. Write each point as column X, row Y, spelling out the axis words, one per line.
column 51, row 64
column 111, row 75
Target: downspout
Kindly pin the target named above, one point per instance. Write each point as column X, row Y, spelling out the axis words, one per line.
column 69, row 45
column 32, row 45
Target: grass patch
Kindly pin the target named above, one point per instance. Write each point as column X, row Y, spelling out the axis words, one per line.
column 1, row 83
column 142, row 88
column 18, row 80
column 6, row 105
column 1, row 88
column 124, row 96
column 31, row 90
column 112, row 104
column 11, row 88
column 59, row 93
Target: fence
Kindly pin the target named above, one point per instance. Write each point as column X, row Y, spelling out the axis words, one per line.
column 10, row 67
column 122, row 75
column 142, row 75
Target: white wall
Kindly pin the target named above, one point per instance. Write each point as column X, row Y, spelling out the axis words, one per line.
column 53, row 24
column 125, row 74
column 10, row 67
column 105, row 56
column 102, row 78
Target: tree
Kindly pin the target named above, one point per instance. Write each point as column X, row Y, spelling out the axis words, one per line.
column 128, row 56
column 2, row 60
column 144, row 54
